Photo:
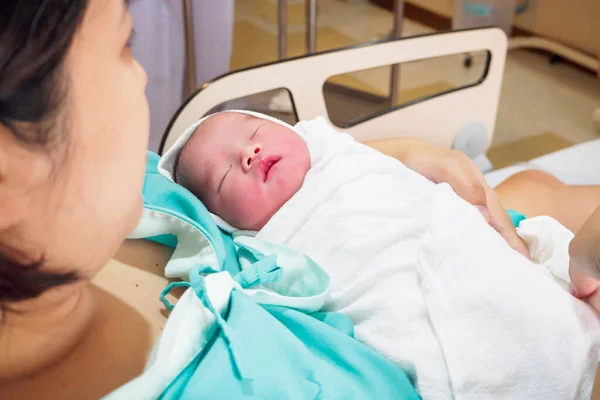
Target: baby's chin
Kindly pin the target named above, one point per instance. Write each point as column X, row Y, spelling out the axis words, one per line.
column 256, row 213
column 255, row 224
column 254, row 218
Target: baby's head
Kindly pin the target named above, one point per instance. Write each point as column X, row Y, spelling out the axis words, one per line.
column 243, row 168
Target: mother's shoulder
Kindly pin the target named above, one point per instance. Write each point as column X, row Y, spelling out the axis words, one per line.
column 127, row 323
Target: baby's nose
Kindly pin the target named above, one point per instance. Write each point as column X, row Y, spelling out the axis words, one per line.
column 248, row 156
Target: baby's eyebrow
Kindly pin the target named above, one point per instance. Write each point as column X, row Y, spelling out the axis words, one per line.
column 256, row 130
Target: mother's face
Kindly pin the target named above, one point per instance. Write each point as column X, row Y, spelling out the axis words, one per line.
column 78, row 210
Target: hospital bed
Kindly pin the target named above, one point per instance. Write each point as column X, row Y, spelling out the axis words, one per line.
column 461, row 118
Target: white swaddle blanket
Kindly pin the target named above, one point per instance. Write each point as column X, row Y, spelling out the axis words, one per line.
column 429, row 284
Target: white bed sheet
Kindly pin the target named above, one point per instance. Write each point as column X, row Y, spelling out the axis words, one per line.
column 575, row 165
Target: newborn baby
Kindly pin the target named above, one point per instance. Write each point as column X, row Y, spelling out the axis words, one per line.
column 426, row 281
column 243, row 168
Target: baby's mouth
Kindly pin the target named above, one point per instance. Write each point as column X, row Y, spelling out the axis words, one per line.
column 266, row 164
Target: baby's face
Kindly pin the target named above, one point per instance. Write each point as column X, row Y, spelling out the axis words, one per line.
column 243, row 168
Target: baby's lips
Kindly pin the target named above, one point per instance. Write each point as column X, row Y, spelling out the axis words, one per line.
column 266, row 164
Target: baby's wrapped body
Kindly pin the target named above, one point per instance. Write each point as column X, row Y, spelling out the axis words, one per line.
column 426, row 281
column 430, row 284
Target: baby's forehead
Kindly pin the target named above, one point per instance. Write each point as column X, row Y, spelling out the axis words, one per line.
column 221, row 125
column 219, row 129
column 226, row 119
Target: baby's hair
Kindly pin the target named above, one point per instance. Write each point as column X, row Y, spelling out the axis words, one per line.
column 176, row 176
column 180, row 176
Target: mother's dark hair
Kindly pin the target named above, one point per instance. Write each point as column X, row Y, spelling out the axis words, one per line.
column 35, row 38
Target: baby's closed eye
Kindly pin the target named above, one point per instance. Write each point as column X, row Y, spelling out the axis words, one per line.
column 223, row 179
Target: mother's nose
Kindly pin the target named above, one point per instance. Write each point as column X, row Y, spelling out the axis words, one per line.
column 249, row 154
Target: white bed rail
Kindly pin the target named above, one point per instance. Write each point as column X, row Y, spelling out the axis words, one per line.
column 470, row 111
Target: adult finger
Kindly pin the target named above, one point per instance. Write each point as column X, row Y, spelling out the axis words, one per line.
column 584, row 249
column 584, row 255
column 594, row 301
column 458, row 171
column 582, row 286
column 468, row 182
column 501, row 222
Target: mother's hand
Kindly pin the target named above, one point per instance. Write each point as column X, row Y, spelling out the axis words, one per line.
column 459, row 171
column 584, row 253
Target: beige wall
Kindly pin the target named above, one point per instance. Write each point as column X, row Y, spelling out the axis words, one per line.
column 572, row 22
column 442, row 7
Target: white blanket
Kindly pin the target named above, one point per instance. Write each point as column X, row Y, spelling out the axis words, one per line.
column 429, row 284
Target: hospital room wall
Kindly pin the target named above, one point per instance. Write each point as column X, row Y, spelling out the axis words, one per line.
column 573, row 22
column 159, row 46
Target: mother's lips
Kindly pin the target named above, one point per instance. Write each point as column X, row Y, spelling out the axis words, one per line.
column 266, row 164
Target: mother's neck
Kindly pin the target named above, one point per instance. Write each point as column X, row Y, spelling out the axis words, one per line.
column 39, row 332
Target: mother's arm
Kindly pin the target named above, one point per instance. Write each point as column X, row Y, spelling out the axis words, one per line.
column 438, row 165
column 457, row 169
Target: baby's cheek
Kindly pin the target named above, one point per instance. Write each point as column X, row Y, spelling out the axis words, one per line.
column 251, row 207
column 290, row 183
